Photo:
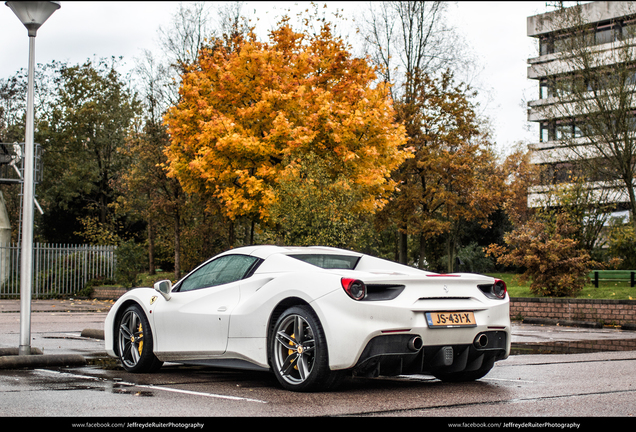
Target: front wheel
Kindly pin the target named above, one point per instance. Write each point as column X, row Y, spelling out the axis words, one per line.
column 298, row 352
column 134, row 342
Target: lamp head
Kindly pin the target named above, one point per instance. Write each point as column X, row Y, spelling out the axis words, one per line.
column 33, row 13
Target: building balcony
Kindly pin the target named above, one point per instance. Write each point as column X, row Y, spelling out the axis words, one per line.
column 562, row 151
column 600, row 192
column 567, row 106
column 564, row 63
column 547, row 23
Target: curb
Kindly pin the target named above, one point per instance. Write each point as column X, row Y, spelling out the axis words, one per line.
column 93, row 333
column 11, row 359
column 568, row 323
column 15, row 351
column 573, row 323
column 41, row 360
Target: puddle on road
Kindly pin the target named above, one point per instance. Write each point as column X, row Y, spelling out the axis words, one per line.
column 119, row 389
column 106, row 363
column 51, row 379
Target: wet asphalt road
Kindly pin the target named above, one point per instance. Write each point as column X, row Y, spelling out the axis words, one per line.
column 580, row 385
column 589, row 385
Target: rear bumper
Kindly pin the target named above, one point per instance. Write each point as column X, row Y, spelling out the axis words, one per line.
column 351, row 328
column 390, row 355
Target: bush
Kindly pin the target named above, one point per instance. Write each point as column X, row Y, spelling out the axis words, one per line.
column 552, row 259
column 131, row 260
column 622, row 245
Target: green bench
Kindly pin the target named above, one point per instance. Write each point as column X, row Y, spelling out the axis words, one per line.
column 613, row 276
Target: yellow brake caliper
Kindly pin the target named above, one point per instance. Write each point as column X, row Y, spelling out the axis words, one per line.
column 141, row 336
column 291, row 350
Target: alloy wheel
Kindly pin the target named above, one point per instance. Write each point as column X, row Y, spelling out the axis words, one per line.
column 131, row 339
column 294, row 349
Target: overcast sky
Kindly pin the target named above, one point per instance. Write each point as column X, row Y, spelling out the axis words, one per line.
column 496, row 31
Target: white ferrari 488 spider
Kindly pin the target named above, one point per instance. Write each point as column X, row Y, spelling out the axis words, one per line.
column 312, row 315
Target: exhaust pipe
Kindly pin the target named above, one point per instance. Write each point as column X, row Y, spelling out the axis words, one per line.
column 481, row 341
column 415, row 344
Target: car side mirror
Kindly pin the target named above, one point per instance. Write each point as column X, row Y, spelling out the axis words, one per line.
column 164, row 287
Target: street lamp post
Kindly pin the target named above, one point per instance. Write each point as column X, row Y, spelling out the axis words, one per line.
column 32, row 14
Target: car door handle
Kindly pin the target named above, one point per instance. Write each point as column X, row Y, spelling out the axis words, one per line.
column 222, row 309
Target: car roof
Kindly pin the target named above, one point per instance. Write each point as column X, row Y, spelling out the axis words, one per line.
column 265, row 251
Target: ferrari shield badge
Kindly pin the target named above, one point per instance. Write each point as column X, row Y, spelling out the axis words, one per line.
column 152, row 299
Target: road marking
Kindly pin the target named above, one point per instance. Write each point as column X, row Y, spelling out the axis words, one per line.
column 190, row 392
column 152, row 387
column 509, row 380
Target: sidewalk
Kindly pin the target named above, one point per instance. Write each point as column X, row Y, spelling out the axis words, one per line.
column 66, row 305
column 70, row 332
column 558, row 339
column 66, row 332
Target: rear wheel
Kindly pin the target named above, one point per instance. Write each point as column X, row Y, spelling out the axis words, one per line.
column 298, row 352
column 134, row 342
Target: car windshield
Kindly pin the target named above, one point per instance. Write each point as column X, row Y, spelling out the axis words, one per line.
column 226, row 269
column 329, row 261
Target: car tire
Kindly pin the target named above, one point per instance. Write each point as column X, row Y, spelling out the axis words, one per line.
column 134, row 341
column 298, row 352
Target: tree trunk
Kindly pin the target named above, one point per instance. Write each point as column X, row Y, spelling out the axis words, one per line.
column 177, row 245
column 422, row 259
column 231, row 233
column 151, row 248
column 450, row 252
column 403, row 247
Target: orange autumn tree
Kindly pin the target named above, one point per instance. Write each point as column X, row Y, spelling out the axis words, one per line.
column 250, row 111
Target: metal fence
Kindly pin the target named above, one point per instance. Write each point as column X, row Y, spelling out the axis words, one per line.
column 57, row 269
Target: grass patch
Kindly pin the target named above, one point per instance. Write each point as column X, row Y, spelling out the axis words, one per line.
column 605, row 291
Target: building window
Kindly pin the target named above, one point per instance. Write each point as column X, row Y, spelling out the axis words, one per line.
column 631, row 77
column 603, row 34
column 544, row 92
column 563, row 43
column 628, row 29
column 606, row 34
column 563, row 131
column 544, row 132
column 577, row 131
column 545, row 46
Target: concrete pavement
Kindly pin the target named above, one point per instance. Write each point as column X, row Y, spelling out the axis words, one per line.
column 56, row 305
column 69, row 332
column 66, row 332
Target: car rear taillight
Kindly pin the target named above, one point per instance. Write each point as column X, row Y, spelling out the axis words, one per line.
column 354, row 288
column 499, row 289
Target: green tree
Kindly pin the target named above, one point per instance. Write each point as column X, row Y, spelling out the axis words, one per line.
column 130, row 262
column 314, row 208
column 85, row 130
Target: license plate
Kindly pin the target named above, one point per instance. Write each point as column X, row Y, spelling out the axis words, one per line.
column 450, row 319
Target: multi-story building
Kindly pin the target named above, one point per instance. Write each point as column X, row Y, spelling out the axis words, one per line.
column 566, row 93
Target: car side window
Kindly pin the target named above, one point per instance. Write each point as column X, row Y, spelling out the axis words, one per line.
column 225, row 269
column 329, row 261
